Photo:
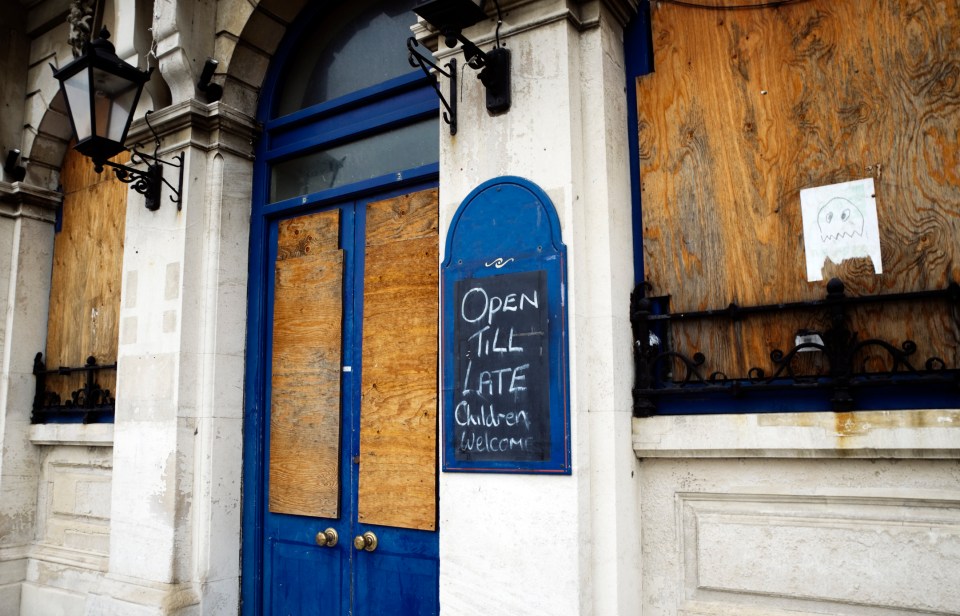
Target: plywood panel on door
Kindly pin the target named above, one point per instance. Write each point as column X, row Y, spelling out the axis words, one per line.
column 745, row 109
column 305, row 383
column 398, row 420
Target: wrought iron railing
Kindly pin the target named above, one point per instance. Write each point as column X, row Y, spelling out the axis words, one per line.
column 658, row 378
column 89, row 404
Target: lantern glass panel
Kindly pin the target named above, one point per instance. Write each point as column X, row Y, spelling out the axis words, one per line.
column 114, row 98
column 77, row 89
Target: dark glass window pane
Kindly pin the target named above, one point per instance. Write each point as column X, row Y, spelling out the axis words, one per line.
column 354, row 46
column 397, row 150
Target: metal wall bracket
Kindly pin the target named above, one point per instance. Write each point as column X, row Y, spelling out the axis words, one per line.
column 149, row 181
column 415, row 58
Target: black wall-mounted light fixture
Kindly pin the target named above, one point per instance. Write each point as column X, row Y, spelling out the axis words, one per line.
column 15, row 171
column 213, row 91
column 101, row 92
column 450, row 17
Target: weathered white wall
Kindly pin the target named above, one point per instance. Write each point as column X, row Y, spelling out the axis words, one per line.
column 69, row 554
column 26, row 257
column 154, row 526
column 801, row 513
column 555, row 545
column 175, row 532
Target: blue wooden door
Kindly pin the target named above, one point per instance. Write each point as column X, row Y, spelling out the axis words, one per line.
column 341, row 400
column 337, row 459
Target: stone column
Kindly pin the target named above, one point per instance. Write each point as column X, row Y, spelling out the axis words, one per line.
column 26, row 258
column 556, row 545
column 175, row 534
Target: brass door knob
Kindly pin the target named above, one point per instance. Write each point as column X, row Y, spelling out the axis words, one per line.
column 367, row 541
column 327, row 538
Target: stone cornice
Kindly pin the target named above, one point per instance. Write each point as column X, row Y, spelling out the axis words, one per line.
column 20, row 194
column 909, row 434
column 524, row 15
column 213, row 126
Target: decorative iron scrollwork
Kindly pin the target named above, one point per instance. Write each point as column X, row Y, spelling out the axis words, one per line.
column 149, row 181
column 90, row 403
column 425, row 64
column 656, row 366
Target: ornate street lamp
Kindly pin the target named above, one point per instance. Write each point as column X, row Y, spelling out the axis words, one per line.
column 102, row 92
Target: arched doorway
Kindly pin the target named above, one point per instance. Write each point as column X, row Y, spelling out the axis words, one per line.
column 341, row 402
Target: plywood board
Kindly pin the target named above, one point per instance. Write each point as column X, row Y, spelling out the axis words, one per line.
column 748, row 107
column 398, row 421
column 305, row 418
column 87, row 268
column 304, row 235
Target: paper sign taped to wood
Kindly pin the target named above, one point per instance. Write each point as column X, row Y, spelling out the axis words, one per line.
column 840, row 223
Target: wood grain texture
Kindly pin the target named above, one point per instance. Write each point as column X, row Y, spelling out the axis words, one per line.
column 305, row 420
column 304, row 235
column 745, row 109
column 410, row 217
column 398, row 421
column 87, row 267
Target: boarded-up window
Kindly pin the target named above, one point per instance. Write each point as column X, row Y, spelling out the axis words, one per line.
column 746, row 108
column 85, row 287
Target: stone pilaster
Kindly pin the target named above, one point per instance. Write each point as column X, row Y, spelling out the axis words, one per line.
column 175, row 535
column 556, row 545
column 26, row 258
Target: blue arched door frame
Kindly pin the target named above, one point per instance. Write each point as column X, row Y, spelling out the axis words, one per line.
column 393, row 103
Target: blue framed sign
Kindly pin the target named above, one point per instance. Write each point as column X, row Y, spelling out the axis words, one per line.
column 505, row 374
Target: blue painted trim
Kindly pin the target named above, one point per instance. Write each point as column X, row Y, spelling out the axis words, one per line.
column 294, row 33
column 251, row 580
column 506, row 224
column 638, row 59
column 790, row 399
column 407, row 177
column 504, row 180
column 387, row 89
column 253, row 483
column 363, row 122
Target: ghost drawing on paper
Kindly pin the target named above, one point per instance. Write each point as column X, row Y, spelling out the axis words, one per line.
column 839, row 218
column 840, row 223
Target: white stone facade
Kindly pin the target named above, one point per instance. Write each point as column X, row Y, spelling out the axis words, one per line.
column 780, row 514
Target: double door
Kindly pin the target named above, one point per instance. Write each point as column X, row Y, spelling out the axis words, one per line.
column 350, row 431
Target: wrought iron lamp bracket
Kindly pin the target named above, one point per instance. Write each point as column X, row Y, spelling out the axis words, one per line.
column 417, row 59
column 149, row 182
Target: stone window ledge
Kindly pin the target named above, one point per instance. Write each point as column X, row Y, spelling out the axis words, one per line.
column 89, row 435
column 918, row 434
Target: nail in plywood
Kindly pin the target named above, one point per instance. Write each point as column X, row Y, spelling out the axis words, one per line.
column 87, row 265
column 398, row 421
column 745, row 109
column 305, row 382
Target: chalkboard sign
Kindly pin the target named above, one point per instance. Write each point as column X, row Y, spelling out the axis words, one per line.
column 502, row 376
column 505, row 375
